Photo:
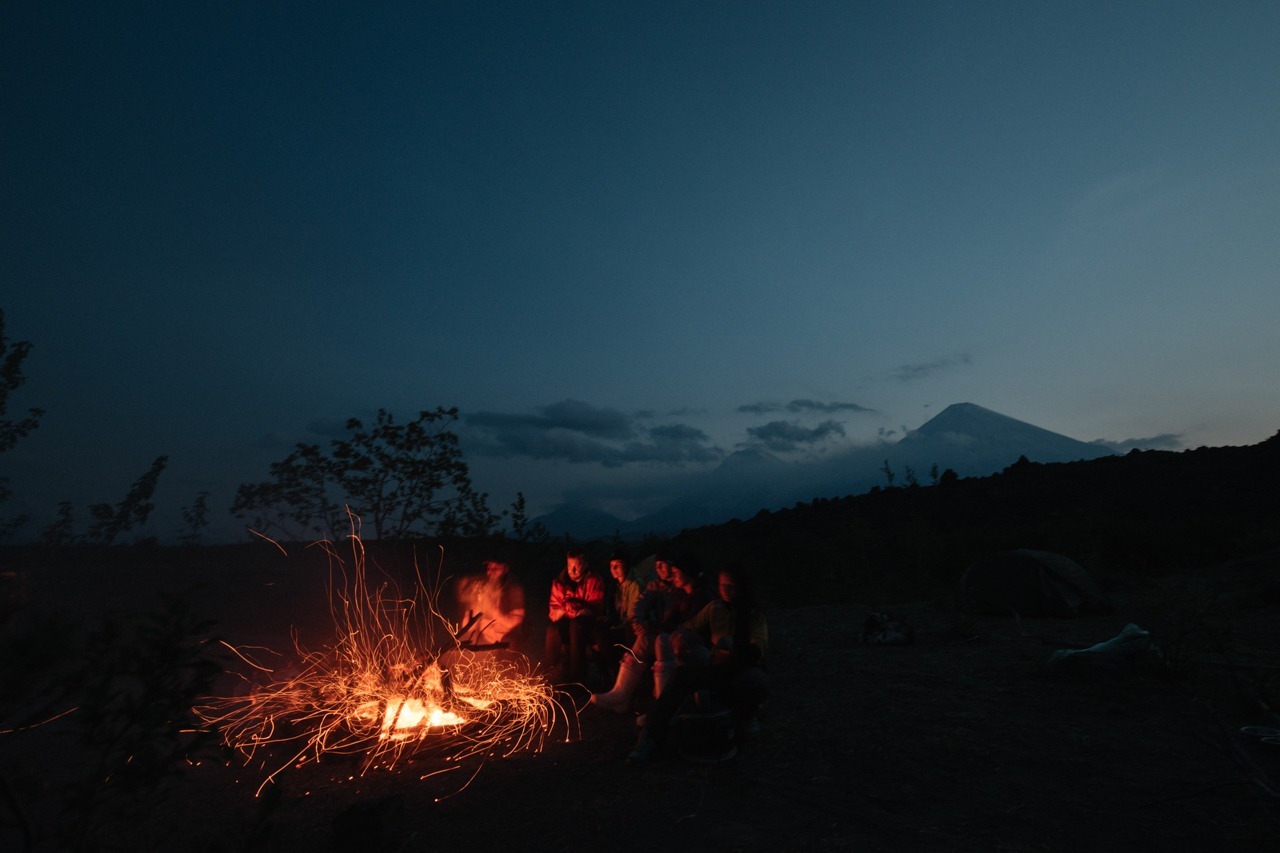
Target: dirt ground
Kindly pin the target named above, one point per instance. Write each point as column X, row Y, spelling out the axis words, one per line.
column 963, row 740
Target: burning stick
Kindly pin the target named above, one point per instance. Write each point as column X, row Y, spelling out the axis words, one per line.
column 397, row 680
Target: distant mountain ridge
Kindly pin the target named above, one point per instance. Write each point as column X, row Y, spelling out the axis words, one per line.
column 964, row 437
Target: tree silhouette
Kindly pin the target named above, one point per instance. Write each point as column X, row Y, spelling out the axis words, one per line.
column 111, row 521
column 521, row 529
column 11, row 378
column 11, row 431
column 400, row 480
column 196, row 518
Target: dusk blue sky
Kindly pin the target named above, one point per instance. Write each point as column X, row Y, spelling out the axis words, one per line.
column 627, row 239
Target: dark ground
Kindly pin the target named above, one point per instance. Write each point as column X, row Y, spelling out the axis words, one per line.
column 961, row 741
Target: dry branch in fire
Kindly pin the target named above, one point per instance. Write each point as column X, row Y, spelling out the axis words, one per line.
column 395, row 681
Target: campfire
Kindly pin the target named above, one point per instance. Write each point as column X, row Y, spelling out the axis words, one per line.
column 397, row 680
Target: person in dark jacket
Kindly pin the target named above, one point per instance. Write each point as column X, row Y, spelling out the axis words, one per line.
column 721, row 652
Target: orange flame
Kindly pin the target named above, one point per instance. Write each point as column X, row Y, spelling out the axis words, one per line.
column 396, row 680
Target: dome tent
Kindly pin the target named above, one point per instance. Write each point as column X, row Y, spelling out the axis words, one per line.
column 1029, row 583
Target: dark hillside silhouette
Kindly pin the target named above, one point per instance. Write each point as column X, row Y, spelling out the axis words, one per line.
column 1148, row 512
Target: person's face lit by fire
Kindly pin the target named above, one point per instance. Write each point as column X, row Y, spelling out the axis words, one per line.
column 618, row 569
column 496, row 570
column 575, row 568
column 728, row 588
column 681, row 579
column 662, row 569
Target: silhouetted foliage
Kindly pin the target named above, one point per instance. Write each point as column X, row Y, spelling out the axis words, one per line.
column 11, row 431
column 400, row 480
column 520, row 527
column 126, row 688
column 11, row 378
column 196, row 518
column 112, row 521
column 60, row 531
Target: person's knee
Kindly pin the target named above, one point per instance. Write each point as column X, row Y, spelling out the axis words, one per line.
column 689, row 650
column 642, row 648
column 663, row 650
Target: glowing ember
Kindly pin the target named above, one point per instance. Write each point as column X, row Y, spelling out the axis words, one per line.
column 395, row 680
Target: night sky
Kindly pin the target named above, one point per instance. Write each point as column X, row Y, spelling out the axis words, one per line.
column 628, row 239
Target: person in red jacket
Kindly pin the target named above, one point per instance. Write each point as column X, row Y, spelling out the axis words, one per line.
column 576, row 611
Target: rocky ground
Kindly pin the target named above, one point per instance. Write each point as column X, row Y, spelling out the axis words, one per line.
column 963, row 740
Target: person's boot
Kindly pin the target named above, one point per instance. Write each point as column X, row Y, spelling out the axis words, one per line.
column 646, row 746
column 662, row 673
column 618, row 700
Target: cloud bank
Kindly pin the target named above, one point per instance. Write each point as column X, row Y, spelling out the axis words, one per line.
column 1164, row 441
column 577, row 432
column 785, row 436
column 802, row 406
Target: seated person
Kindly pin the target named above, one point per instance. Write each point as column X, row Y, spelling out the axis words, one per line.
column 492, row 605
column 626, row 592
column 576, row 614
column 662, row 609
column 721, row 650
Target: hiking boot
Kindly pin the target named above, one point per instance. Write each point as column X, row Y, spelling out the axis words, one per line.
column 643, row 753
column 618, row 700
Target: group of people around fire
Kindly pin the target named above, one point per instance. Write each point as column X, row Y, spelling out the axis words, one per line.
column 681, row 635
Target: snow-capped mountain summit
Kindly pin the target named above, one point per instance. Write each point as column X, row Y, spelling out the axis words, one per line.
column 980, row 441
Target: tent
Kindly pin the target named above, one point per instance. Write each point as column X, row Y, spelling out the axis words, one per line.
column 1030, row 583
column 643, row 570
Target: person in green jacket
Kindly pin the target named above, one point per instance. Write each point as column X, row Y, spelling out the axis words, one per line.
column 721, row 650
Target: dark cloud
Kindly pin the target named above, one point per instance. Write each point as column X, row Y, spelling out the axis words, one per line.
column 825, row 408
column 784, row 436
column 574, row 431
column 798, row 406
column 673, row 444
column 535, row 442
column 572, row 415
column 912, row 372
column 677, row 434
column 589, row 420
column 1164, row 441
